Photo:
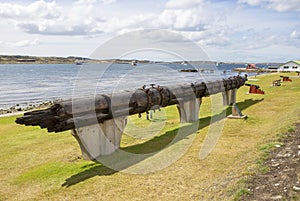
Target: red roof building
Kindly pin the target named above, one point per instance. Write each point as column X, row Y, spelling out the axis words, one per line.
column 251, row 66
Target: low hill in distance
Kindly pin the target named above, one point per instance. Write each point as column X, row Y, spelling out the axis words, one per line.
column 18, row 59
column 21, row 59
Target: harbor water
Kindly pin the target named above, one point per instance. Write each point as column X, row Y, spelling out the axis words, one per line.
column 24, row 85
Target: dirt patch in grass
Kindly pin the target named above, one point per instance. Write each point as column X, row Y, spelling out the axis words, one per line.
column 281, row 182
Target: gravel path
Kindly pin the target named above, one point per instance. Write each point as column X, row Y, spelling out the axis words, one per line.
column 282, row 182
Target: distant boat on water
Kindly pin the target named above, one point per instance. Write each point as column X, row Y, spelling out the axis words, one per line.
column 134, row 63
column 189, row 70
column 79, row 62
column 184, row 63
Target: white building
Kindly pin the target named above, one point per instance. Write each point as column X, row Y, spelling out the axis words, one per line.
column 291, row 66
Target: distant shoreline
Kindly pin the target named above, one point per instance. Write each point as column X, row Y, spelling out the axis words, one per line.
column 17, row 109
column 18, row 59
column 12, row 114
column 24, row 59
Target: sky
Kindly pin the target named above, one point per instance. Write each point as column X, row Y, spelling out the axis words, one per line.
column 226, row 30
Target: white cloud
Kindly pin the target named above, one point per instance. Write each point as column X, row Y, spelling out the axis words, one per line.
column 82, row 18
column 180, row 4
column 23, row 43
column 295, row 35
column 87, row 2
column 192, row 19
column 252, row 2
column 189, row 15
column 48, row 18
column 108, row 1
column 84, row 2
column 211, row 36
column 33, row 11
column 182, row 19
column 284, row 5
column 278, row 5
column 55, row 28
column 198, row 20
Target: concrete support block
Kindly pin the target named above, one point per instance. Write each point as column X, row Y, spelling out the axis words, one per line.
column 229, row 97
column 100, row 139
column 189, row 110
column 225, row 95
column 233, row 96
column 236, row 113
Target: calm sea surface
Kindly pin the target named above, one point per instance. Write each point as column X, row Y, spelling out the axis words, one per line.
column 25, row 84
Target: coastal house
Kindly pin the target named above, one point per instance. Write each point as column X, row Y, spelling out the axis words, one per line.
column 291, row 66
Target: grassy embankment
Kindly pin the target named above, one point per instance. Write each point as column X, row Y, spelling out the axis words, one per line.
column 36, row 165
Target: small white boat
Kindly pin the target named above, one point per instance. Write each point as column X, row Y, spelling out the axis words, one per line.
column 133, row 63
column 184, row 63
column 79, row 62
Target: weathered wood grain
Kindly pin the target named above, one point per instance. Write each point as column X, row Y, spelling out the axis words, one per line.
column 68, row 114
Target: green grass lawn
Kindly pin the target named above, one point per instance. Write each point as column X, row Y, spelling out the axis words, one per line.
column 36, row 165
